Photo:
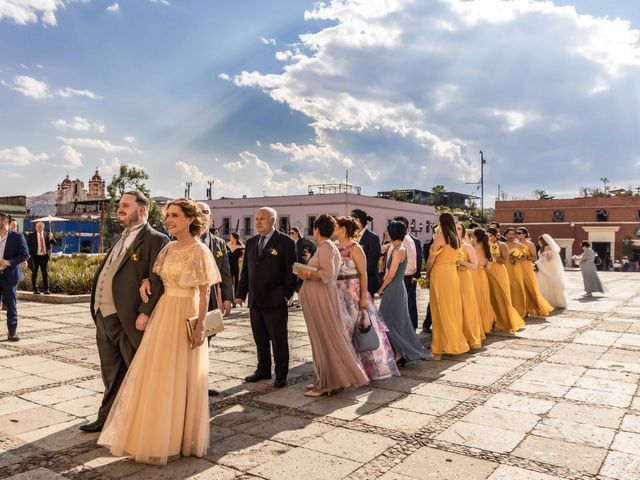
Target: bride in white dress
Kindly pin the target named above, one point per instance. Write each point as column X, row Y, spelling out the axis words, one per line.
column 550, row 274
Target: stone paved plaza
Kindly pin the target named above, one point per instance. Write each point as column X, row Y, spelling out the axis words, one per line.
column 558, row 400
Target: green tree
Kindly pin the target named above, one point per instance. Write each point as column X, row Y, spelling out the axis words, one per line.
column 130, row 178
column 627, row 246
column 436, row 194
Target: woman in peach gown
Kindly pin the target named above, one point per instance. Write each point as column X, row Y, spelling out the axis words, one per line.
column 162, row 408
column 516, row 281
column 506, row 316
column 444, row 292
column 537, row 305
column 480, row 281
column 471, row 321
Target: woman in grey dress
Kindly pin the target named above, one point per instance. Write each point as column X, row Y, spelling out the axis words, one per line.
column 590, row 277
column 393, row 306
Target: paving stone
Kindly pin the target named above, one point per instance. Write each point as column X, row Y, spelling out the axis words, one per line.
column 562, row 454
column 507, row 472
column 341, row 408
column 612, row 375
column 567, row 375
column 236, row 415
column 396, row 419
column 358, row 446
column 576, row 354
column 599, row 398
column 290, row 430
column 575, row 432
column 600, row 416
column 627, row 442
column 481, row 436
column 244, row 452
column 552, row 389
column 424, row 404
column 26, row 381
column 605, row 385
column 58, row 437
column 369, row 394
column 631, row 423
column 49, row 396
column 104, row 463
column 621, row 466
column 186, row 468
column 37, row 474
column 447, row 392
column 432, row 464
column 520, row 403
column 506, row 419
column 84, row 406
column 10, row 405
column 301, row 463
column 33, row 419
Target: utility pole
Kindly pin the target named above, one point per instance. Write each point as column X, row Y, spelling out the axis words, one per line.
column 187, row 190
column 210, row 189
column 481, row 184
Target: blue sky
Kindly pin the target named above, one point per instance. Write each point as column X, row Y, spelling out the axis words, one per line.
column 266, row 97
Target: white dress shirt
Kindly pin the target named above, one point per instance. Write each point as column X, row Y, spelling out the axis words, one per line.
column 410, row 246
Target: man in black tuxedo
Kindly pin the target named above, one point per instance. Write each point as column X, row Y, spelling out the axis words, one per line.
column 39, row 244
column 497, row 226
column 118, row 311
column 13, row 251
column 268, row 279
column 426, row 250
column 412, row 272
column 370, row 243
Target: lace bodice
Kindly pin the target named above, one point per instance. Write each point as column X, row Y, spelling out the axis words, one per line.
column 186, row 268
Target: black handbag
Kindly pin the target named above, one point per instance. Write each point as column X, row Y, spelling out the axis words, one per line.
column 365, row 338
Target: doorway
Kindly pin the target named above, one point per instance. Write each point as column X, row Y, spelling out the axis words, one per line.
column 603, row 249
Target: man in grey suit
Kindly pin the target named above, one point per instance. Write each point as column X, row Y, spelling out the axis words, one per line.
column 119, row 313
column 222, row 293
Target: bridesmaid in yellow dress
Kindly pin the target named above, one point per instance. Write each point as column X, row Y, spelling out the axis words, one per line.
column 481, row 248
column 506, row 316
column 471, row 320
column 537, row 305
column 444, row 292
column 162, row 408
column 516, row 283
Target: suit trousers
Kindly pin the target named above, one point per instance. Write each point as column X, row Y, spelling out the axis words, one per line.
column 40, row 262
column 426, row 326
column 116, row 354
column 8, row 293
column 270, row 324
column 410, row 285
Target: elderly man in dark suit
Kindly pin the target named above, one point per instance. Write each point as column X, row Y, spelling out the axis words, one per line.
column 221, row 293
column 40, row 243
column 13, row 251
column 370, row 243
column 269, row 281
column 116, row 307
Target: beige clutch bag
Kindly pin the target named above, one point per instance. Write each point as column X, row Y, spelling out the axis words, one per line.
column 212, row 324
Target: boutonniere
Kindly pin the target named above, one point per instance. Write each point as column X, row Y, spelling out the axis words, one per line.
column 134, row 255
column 273, row 251
column 219, row 254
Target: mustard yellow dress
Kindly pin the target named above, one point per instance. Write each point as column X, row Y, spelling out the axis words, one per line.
column 471, row 320
column 537, row 305
column 516, row 282
column 506, row 316
column 446, row 306
column 481, row 290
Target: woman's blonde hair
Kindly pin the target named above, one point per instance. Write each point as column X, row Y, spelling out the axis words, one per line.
column 191, row 210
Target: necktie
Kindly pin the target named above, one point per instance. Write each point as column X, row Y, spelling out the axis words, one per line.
column 41, row 249
column 117, row 249
column 263, row 240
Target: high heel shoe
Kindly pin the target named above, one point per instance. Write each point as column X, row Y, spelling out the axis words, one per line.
column 318, row 393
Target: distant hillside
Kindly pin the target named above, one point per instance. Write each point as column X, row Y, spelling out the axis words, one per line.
column 42, row 205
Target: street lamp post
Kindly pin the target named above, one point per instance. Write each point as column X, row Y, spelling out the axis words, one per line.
column 210, row 189
column 482, row 162
column 187, row 190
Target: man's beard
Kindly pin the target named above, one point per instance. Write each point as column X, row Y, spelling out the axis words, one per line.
column 130, row 220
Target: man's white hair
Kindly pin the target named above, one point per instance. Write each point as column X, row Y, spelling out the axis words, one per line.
column 271, row 211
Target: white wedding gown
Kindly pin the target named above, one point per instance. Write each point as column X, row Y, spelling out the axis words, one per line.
column 550, row 275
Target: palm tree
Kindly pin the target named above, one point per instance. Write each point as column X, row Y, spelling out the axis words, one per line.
column 604, row 181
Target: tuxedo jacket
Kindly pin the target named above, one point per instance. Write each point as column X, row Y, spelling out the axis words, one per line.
column 127, row 279
column 220, row 254
column 370, row 243
column 16, row 252
column 32, row 242
column 418, row 244
column 268, row 279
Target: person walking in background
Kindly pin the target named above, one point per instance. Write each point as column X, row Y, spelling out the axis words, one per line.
column 482, row 250
column 268, row 280
column 412, row 272
column 13, row 251
column 393, row 305
column 236, row 251
column 162, row 409
column 444, row 292
column 305, row 248
column 353, row 292
column 335, row 362
column 550, row 274
column 466, row 263
column 116, row 306
column 588, row 269
column 370, row 243
column 536, row 303
column 40, row 243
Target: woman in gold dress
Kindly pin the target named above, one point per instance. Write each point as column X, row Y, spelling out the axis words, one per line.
column 506, row 316
column 444, row 292
column 517, row 253
column 471, row 320
column 480, row 281
column 537, row 305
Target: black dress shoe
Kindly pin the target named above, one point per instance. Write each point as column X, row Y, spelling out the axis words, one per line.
column 213, row 392
column 256, row 377
column 12, row 337
column 36, row 291
column 47, row 292
column 92, row 427
column 280, row 382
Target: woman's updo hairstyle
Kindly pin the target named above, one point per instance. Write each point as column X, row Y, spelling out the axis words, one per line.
column 325, row 224
column 191, row 210
column 350, row 225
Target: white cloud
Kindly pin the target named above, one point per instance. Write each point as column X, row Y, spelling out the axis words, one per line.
column 110, row 167
column 163, row 2
column 24, row 12
column 268, row 41
column 69, row 157
column 258, row 143
column 129, row 139
column 113, row 8
column 224, row 76
column 29, row 87
column 97, row 144
column 80, row 124
column 70, row 92
column 20, row 156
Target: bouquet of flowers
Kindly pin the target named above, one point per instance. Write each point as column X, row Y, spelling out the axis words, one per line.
column 460, row 257
column 423, row 282
column 515, row 254
column 495, row 250
column 535, row 267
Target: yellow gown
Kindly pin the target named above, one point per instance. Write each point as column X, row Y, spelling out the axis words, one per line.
column 446, row 306
column 506, row 316
column 537, row 305
column 471, row 320
column 481, row 290
column 516, row 283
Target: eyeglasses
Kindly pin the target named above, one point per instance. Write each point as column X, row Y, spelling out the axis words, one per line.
column 206, row 212
column 291, row 232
